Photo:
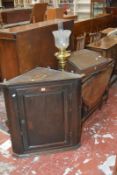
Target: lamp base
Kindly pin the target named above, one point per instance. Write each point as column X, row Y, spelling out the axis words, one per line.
column 62, row 56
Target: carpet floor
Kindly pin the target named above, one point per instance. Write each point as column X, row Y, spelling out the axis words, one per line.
column 95, row 156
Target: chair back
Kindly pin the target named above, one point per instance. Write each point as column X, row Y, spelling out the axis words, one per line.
column 94, row 36
column 80, row 42
column 38, row 12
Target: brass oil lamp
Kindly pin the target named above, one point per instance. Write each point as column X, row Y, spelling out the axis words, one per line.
column 61, row 38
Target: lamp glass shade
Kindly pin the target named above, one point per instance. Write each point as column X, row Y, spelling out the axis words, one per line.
column 61, row 38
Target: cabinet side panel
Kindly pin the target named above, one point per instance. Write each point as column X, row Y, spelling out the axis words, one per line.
column 13, row 121
column 75, row 123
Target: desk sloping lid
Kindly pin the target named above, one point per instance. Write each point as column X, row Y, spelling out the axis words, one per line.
column 104, row 43
column 85, row 59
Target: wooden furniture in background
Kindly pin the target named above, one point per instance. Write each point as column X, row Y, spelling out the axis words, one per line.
column 98, row 71
column 54, row 13
column 28, row 46
column 113, row 11
column 80, row 42
column 15, row 15
column 32, row 48
column 43, row 109
column 93, row 37
column 7, row 3
column 107, row 46
column 113, row 3
column 92, row 25
column 38, row 12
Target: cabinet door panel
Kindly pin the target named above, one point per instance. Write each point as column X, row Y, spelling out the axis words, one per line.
column 44, row 116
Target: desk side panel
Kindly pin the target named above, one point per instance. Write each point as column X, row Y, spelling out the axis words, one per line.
column 36, row 47
column 8, row 59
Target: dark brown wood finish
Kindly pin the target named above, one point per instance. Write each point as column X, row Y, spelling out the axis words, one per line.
column 107, row 46
column 98, row 71
column 44, row 110
column 106, row 31
column 113, row 11
column 15, row 15
column 38, row 12
column 32, row 45
column 113, row 3
column 92, row 25
column 7, row 3
column 25, row 47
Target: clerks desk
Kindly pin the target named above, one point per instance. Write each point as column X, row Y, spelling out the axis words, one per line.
column 95, row 83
